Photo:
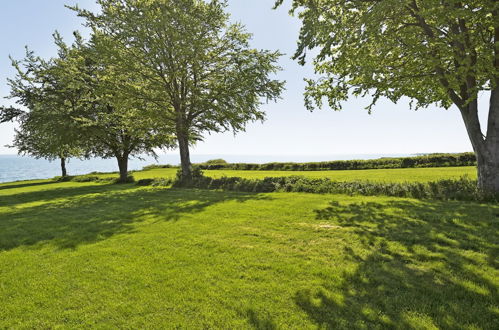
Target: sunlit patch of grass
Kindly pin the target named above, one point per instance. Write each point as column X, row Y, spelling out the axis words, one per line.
column 378, row 175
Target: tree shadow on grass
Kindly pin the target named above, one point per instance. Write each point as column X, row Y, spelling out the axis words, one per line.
column 93, row 213
column 23, row 184
column 431, row 264
column 260, row 321
column 53, row 193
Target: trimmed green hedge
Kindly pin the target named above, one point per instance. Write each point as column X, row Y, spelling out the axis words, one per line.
column 463, row 189
column 433, row 160
column 155, row 166
column 93, row 178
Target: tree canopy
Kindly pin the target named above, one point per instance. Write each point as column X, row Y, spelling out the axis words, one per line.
column 73, row 108
column 440, row 52
column 46, row 129
column 115, row 124
column 426, row 50
column 197, row 68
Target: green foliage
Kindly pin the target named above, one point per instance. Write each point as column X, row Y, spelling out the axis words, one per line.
column 432, row 160
column 156, row 166
column 182, row 181
column 76, row 109
column 46, row 127
column 214, row 162
column 440, row 52
column 195, row 68
column 159, row 182
column 463, row 189
column 426, row 50
column 115, row 123
column 94, row 178
column 9, row 114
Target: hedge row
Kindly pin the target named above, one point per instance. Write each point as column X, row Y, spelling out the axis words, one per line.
column 463, row 189
column 92, row 178
column 155, row 166
column 433, row 160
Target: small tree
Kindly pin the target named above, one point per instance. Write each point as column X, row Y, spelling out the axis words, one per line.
column 45, row 128
column 198, row 69
column 432, row 51
column 36, row 137
column 113, row 124
column 75, row 109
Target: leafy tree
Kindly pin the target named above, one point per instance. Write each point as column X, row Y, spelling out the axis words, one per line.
column 36, row 137
column 74, row 109
column 112, row 123
column 197, row 69
column 432, row 51
column 45, row 127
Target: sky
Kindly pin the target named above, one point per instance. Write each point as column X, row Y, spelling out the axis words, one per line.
column 289, row 128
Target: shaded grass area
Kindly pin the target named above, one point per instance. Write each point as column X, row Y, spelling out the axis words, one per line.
column 377, row 175
column 88, row 255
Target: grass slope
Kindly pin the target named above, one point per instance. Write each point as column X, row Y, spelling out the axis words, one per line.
column 379, row 175
column 91, row 255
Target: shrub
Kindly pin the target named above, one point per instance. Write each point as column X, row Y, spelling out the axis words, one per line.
column 93, row 178
column 433, row 160
column 196, row 175
column 145, row 182
column 129, row 179
column 162, row 182
column 463, row 189
column 157, row 166
column 86, row 178
column 216, row 162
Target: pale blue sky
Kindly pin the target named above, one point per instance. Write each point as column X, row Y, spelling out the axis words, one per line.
column 289, row 129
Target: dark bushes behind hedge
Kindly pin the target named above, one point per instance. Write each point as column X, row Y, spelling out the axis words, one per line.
column 155, row 166
column 433, row 160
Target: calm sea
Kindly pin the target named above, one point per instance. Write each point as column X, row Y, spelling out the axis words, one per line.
column 16, row 168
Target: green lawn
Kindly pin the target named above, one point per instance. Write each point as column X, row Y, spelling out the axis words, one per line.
column 86, row 255
column 389, row 175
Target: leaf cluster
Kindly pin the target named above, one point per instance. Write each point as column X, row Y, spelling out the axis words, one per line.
column 432, row 51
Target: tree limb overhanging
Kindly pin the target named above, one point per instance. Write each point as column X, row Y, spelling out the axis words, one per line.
column 442, row 52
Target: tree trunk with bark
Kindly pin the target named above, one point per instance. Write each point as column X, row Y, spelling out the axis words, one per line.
column 185, row 158
column 488, row 171
column 123, row 166
column 63, row 167
column 488, row 159
column 182, row 133
column 486, row 147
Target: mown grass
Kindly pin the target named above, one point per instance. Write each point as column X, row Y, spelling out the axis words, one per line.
column 85, row 255
column 377, row 175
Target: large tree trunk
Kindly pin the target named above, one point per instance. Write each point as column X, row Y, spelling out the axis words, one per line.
column 123, row 166
column 488, row 170
column 63, row 167
column 185, row 158
column 488, row 158
column 183, row 145
column 486, row 147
